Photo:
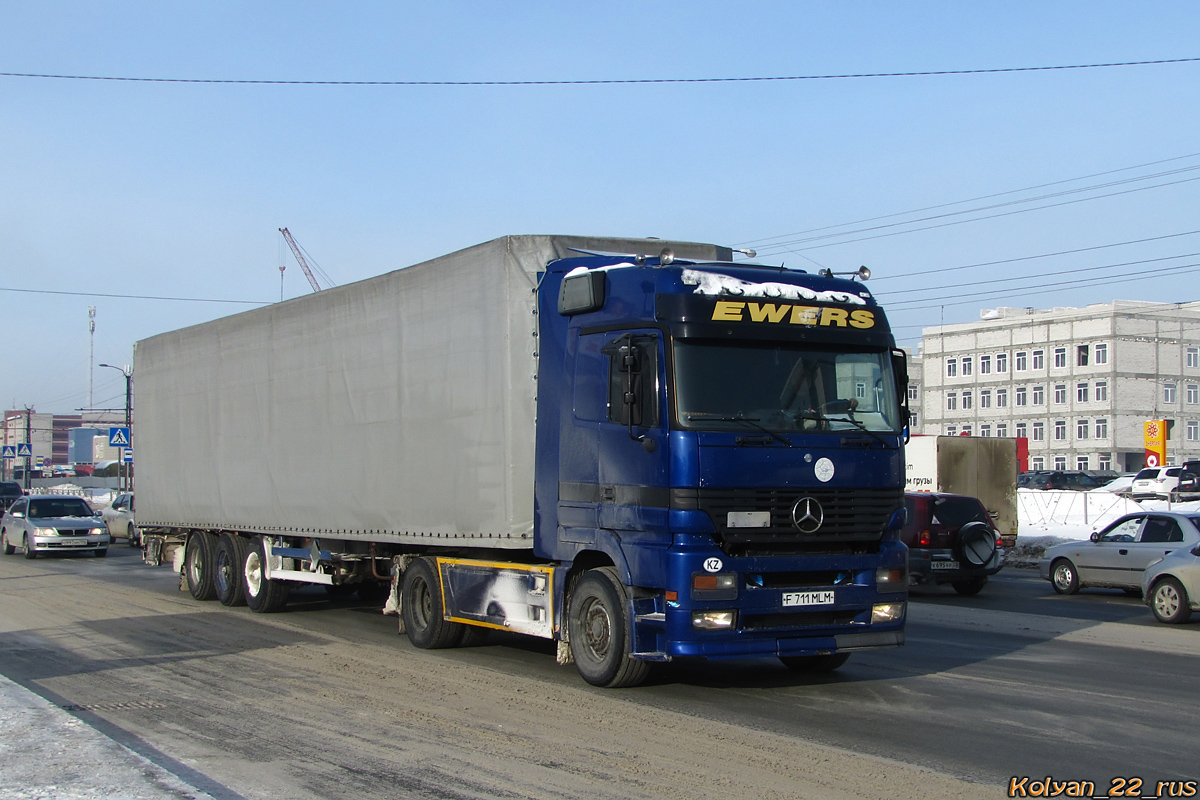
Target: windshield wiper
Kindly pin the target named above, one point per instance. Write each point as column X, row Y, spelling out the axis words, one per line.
column 860, row 426
column 751, row 421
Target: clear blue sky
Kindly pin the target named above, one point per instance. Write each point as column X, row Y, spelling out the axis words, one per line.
column 178, row 189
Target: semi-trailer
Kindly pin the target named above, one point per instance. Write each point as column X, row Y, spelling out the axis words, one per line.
column 637, row 448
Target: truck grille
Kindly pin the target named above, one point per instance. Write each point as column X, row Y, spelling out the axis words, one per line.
column 854, row 519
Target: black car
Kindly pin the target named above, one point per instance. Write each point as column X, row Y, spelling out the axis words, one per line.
column 10, row 492
column 951, row 539
column 1076, row 480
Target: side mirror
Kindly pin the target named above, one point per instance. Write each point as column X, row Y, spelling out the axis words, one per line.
column 1196, row 550
column 1095, row 536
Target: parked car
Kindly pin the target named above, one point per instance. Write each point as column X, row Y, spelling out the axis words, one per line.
column 10, row 492
column 1120, row 484
column 1155, row 482
column 53, row 524
column 1058, row 479
column 950, row 540
column 119, row 518
column 1172, row 586
column 1117, row 556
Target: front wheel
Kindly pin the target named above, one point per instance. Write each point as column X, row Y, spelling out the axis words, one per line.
column 599, row 636
column 8, row 548
column 1169, row 601
column 28, row 547
column 815, row 664
column 101, row 553
column 1063, row 577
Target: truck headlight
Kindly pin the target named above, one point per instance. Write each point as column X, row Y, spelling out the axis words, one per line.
column 887, row 612
column 713, row 620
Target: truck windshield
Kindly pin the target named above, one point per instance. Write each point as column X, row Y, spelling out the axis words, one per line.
column 783, row 386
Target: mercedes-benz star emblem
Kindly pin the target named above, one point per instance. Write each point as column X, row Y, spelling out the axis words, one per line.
column 807, row 515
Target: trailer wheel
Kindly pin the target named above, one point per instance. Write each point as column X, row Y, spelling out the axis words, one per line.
column 197, row 566
column 599, row 635
column 262, row 595
column 421, row 607
column 227, row 576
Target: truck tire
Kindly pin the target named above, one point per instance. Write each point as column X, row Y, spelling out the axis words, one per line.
column 815, row 664
column 599, row 635
column 227, row 571
column 421, row 608
column 198, row 565
column 262, row 595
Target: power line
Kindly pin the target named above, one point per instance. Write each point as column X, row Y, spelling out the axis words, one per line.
column 1031, row 258
column 610, row 81
column 134, row 296
column 765, row 242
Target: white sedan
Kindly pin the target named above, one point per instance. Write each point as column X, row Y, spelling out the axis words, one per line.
column 1117, row 556
column 119, row 518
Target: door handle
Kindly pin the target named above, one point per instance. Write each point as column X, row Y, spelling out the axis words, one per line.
column 1123, row 552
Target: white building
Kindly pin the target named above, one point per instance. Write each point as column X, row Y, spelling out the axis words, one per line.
column 1077, row 382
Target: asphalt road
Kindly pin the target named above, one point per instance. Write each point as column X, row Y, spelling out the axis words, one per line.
column 1016, row 681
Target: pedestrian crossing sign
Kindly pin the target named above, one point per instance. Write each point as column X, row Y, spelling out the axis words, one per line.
column 118, row 437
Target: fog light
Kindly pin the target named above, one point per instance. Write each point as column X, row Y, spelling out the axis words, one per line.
column 891, row 580
column 887, row 612
column 713, row 620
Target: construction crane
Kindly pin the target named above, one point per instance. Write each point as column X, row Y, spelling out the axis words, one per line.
column 308, row 273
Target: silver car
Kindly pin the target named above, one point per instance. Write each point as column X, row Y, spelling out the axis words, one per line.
column 1118, row 555
column 1172, row 585
column 119, row 518
column 53, row 523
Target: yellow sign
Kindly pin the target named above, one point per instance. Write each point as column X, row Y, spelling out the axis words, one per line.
column 1155, row 439
column 730, row 311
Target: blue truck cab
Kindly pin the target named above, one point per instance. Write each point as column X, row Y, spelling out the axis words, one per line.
column 719, row 464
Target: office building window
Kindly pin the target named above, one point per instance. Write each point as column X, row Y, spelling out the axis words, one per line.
column 1001, row 362
column 1100, row 351
column 1101, row 429
column 1060, row 430
column 1002, row 398
column 1038, row 463
column 985, row 430
column 1104, row 462
column 1002, row 430
column 1101, row 391
column 1081, row 429
column 913, row 391
column 1081, row 463
column 1193, row 394
column 1039, row 359
column 951, row 367
column 1060, row 357
column 1081, row 355
column 1060, row 463
column 966, row 365
column 912, row 420
column 985, row 365
column 1193, row 431
column 1081, row 392
column 951, row 430
column 1039, row 396
column 1060, row 394
column 1039, row 432
column 966, row 400
column 1021, row 362
column 1022, row 430
column 1193, row 357
column 1020, row 396
column 985, row 398
column 951, row 401
column 1169, row 393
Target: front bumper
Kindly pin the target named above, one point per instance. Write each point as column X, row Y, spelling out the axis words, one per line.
column 70, row 543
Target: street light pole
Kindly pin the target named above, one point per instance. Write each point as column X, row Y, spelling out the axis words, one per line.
column 122, row 470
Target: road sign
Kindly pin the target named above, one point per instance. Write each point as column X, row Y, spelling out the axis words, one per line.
column 24, row 450
column 118, row 437
column 10, row 451
column 128, row 457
